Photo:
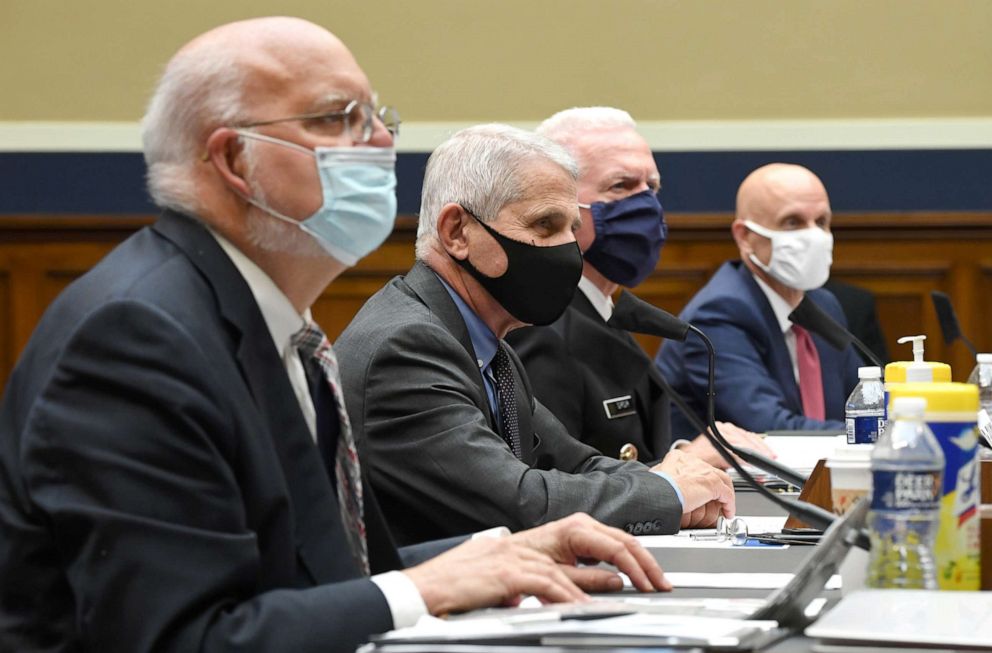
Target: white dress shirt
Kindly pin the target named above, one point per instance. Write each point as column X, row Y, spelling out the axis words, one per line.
column 402, row 596
column 781, row 308
column 602, row 302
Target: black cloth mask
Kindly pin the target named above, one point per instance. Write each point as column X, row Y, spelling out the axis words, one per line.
column 539, row 282
column 630, row 233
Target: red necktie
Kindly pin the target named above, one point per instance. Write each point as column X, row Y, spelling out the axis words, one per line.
column 810, row 379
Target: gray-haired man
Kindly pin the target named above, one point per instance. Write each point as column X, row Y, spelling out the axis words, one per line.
column 457, row 440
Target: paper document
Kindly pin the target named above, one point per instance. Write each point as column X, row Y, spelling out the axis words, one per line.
column 632, row 630
column 909, row 616
column 803, row 452
column 690, row 537
column 742, row 580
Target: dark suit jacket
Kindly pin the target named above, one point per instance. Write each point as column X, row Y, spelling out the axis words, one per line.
column 159, row 488
column 755, row 385
column 416, row 395
column 858, row 305
column 582, row 370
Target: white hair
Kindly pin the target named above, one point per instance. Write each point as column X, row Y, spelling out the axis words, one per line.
column 200, row 90
column 566, row 126
column 484, row 169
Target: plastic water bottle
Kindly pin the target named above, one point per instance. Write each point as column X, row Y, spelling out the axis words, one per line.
column 982, row 377
column 907, row 467
column 865, row 408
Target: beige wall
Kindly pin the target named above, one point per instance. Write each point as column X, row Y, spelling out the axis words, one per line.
column 469, row 60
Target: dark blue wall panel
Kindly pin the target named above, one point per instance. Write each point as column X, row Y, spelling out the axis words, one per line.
column 872, row 180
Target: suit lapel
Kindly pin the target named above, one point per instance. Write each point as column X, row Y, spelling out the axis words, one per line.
column 782, row 367
column 425, row 283
column 317, row 524
column 627, row 361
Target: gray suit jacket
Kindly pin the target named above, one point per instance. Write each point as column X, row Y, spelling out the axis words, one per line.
column 416, row 398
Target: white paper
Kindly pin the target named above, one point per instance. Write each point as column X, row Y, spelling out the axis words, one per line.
column 715, row 631
column 755, row 524
column 803, row 452
column 734, row 580
column 910, row 616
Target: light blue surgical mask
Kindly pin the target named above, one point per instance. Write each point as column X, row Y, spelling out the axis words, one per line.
column 359, row 208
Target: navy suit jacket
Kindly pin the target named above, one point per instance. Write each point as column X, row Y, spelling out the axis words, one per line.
column 159, row 488
column 755, row 385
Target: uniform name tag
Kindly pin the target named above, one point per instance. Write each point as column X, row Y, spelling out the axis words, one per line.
column 619, row 407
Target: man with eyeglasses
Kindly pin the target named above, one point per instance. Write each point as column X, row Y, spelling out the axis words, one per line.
column 596, row 379
column 770, row 374
column 178, row 470
column 457, row 441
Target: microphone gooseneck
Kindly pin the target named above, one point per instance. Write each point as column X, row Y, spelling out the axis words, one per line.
column 641, row 317
column 807, row 512
column 813, row 318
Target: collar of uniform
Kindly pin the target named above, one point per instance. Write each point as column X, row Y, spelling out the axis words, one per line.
column 484, row 341
column 779, row 306
column 277, row 311
column 602, row 302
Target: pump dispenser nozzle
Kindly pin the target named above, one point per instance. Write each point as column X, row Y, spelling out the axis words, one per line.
column 917, row 346
column 918, row 370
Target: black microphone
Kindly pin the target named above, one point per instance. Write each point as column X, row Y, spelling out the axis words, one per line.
column 948, row 320
column 813, row 318
column 656, row 322
column 631, row 313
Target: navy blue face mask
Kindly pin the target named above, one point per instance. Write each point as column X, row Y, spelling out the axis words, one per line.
column 629, row 235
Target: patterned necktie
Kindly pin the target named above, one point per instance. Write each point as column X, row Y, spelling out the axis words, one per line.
column 810, row 379
column 312, row 342
column 503, row 372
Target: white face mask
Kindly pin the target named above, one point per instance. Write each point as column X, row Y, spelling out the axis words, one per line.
column 800, row 259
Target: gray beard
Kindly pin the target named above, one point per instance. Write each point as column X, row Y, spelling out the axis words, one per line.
column 270, row 234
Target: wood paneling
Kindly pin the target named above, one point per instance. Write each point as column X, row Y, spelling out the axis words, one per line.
column 900, row 258
column 6, row 343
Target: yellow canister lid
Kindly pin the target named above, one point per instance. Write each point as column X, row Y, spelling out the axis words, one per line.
column 941, row 397
column 896, row 372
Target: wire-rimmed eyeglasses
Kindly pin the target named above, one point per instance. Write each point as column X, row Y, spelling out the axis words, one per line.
column 359, row 117
column 733, row 530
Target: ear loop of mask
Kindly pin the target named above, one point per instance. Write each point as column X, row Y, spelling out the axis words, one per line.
column 766, row 233
column 262, row 207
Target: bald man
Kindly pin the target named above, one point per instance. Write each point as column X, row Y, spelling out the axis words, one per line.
column 770, row 374
column 177, row 472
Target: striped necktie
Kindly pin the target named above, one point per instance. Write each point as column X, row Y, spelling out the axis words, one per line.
column 312, row 342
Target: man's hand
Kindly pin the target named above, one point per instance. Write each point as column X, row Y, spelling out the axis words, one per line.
column 701, row 447
column 540, row 561
column 707, row 491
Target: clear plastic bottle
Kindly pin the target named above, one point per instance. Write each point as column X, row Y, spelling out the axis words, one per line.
column 907, row 468
column 982, row 377
column 865, row 408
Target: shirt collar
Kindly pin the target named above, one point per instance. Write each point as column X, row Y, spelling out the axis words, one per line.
column 780, row 307
column 484, row 341
column 600, row 301
column 277, row 311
